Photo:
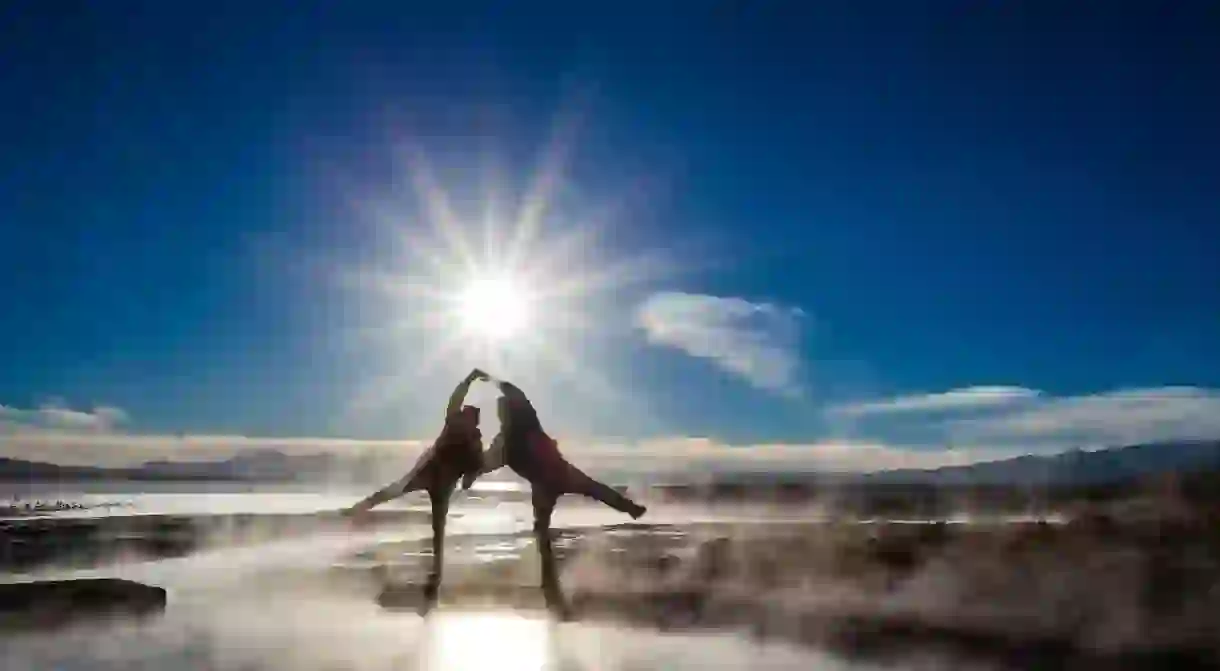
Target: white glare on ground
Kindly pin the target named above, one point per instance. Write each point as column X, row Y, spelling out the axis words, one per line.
column 477, row 641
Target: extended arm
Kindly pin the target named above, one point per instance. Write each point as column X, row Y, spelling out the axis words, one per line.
column 459, row 393
column 512, row 392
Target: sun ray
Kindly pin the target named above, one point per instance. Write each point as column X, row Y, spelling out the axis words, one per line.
column 491, row 178
column 437, row 209
column 632, row 272
column 548, row 177
column 390, row 288
column 520, row 286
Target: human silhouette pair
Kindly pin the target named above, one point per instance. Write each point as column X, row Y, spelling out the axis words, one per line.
column 522, row 445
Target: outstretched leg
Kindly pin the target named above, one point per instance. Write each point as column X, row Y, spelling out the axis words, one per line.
column 439, row 494
column 412, row 483
column 580, row 483
column 552, row 591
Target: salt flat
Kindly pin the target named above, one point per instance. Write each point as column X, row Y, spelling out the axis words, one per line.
column 694, row 588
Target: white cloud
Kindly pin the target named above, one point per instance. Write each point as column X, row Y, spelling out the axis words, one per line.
column 1119, row 417
column 55, row 414
column 757, row 341
column 60, row 435
column 102, row 418
column 1018, row 418
column 965, row 398
column 1038, row 425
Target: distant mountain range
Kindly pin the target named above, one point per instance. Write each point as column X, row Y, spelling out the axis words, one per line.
column 246, row 466
column 1076, row 467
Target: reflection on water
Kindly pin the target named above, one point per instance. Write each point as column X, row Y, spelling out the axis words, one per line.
column 219, row 499
column 104, row 499
column 500, row 641
column 309, row 602
column 244, row 608
column 500, row 550
column 306, row 634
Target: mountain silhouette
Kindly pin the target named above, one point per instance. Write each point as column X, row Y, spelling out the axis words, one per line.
column 1075, row 467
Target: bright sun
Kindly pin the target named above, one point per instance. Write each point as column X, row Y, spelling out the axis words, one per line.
column 508, row 281
column 494, row 309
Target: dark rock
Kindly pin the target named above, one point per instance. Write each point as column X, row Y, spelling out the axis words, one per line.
column 54, row 602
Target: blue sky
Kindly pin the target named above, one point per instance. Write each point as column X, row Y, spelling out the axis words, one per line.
column 865, row 230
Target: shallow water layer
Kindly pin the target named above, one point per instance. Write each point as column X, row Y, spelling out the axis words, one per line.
column 107, row 499
column 919, row 596
column 308, row 633
column 228, row 611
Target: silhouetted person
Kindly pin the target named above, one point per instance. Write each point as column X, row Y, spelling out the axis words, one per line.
column 524, row 446
column 456, row 455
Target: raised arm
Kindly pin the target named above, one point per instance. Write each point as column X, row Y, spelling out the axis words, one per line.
column 459, row 393
column 512, row 392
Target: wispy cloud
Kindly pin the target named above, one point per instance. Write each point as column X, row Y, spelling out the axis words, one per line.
column 56, row 414
column 1040, row 424
column 101, row 418
column 965, row 398
column 57, row 434
column 756, row 341
column 1119, row 417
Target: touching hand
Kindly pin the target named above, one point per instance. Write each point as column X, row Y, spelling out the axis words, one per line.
column 477, row 374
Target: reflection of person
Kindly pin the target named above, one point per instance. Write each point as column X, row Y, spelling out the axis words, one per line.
column 456, row 455
column 524, row 446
